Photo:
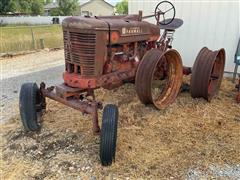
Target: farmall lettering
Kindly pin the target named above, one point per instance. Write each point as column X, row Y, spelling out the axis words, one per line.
column 131, row 30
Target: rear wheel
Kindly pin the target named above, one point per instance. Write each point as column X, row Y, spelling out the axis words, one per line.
column 108, row 137
column 159, row 77
column 31, row 104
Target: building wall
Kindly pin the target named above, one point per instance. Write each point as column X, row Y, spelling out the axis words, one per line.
column 206, row 23
column 98, row 8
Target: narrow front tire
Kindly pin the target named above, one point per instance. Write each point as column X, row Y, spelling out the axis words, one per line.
column 31, row 104
column 108, row 136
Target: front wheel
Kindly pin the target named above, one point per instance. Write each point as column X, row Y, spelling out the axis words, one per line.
column 108, row 136
column 31, row 104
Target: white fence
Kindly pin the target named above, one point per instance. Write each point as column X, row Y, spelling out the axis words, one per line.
column 30, row 19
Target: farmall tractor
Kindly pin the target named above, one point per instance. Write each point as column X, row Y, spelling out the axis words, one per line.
column 108, row 51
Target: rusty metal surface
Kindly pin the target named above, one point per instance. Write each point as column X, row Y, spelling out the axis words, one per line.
column 207, row 73
column 80, row 50
column 238, row 91
column 84, row 107
column 187, row 70
column 119, row 66
column 83, row 55
column 90, row 43
column 146, row 73
column 107, row 81
column 80, row 22
column 129, row 27
column 76, row 99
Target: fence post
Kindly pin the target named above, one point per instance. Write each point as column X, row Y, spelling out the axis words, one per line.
column 42, row 44
column 33, row 38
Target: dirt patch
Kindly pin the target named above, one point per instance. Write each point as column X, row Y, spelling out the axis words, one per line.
column 23, row 53
column 41, row 60
column 190, row 139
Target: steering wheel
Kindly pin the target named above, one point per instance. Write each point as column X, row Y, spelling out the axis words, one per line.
column 166, row 10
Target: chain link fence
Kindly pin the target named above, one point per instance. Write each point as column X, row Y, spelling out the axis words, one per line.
column 23, row 38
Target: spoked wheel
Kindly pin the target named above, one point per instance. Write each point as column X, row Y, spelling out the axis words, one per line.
column 207, row 73
column 108, row 137
column 31, row 104
column 159, row 77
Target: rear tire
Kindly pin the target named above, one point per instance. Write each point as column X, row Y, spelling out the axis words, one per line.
column 31, row 104
column 108, row 137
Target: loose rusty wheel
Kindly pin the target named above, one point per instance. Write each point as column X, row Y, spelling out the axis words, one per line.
column 238, row 91
column 207, row 73
column 238, row 97
column 159, row 77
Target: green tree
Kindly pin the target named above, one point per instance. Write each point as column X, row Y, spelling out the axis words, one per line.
column 8, row 6
column 4, row 6
column 13, row 6
column 47, row 1
column 122, row 7
column 33, row 7
column 68, row 7
column 55, row 12
column 37, row 7
column 25, row 6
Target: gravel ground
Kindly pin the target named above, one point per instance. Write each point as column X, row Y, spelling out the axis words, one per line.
column 37, row 67
column 25, row 64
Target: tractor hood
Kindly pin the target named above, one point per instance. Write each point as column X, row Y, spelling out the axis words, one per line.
column 79, row 22
column 128, row 28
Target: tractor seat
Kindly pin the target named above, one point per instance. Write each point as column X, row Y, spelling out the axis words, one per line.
column 176, row 23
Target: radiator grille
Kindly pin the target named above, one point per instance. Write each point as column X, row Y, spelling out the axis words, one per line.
column 80, row 50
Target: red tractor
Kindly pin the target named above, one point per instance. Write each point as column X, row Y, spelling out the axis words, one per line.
column 108, row 51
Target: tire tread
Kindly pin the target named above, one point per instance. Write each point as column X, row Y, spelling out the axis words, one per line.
column 108, row 136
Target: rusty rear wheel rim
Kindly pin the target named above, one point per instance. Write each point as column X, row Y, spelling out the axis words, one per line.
column 207, row 73
column 173, row 80
column 150, row 75
column 144, row 74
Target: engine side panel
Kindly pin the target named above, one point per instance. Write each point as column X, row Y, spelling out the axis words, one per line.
column 91, row 52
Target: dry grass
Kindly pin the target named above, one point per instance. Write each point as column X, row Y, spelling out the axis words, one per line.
column 19, row 38
column 190, row 134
